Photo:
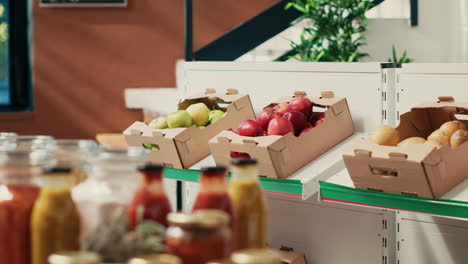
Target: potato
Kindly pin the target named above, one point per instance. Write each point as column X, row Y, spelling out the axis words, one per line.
column 385, row 135
column 412, row 141
column 434, row 143
column 448, row 128
column 459, row 137
column 439, row 136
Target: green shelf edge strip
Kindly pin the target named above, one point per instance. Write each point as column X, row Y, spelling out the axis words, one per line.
column 287, row 186
column 450, row 208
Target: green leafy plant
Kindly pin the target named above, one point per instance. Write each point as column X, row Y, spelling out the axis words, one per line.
column 336, row 29
column 401, row 60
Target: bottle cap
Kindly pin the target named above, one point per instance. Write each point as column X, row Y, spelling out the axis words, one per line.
column 255, row 256
column 77, row 257
column 199, row 218
column 217, row 169
column 150, row 167
column 243, row 162
column 52, row 170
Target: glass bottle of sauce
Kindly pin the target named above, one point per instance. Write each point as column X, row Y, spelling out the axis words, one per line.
column 55, row 222
column 75, row 257
column 255, row 256
column 18, row 192
column 149, row 197
column 156, row 259
column 75, row 154
column 214, row 192
column 249, row 204
column 105, row 195
column 198, row 237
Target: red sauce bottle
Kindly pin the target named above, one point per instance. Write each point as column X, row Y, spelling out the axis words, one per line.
column 19, row 171
column 150, row 196
column 214, row 194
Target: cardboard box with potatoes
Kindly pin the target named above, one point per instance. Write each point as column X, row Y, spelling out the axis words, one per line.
column 181, row 147
column 279, row 156
column 424, row 156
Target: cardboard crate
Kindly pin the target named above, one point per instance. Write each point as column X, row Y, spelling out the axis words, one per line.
column 281, row 156
column 183, row 147
column 421, row 170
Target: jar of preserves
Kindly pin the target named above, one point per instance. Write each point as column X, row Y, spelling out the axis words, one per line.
column 150, row 200
column 156, row 259
column 19, row 171
column 249, row 204
column 55, row 222
column 75, row 257
column 255, row 256
column 75, row 154
column 198, row 237
column 104, row 196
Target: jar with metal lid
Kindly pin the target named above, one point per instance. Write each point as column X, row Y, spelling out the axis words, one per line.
column 75, row 257
column 19, row 173
column 102, row 199
column 198, row 237
column 28, row 143
column 75, row 154
column 255, row 256
column 156, row 259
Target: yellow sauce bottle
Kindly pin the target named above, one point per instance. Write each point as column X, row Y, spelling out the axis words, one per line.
column 249, row 204
column 55, row 223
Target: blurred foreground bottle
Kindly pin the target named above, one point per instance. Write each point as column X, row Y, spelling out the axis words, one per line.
column 249, row 204
column 55, row 223
column 150, row 201
column 19, row 173
column 213, row 193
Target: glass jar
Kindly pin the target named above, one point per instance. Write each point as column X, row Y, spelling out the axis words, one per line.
column 103, row 198
column 55, row 222
column 19, row 189
column 75, row 257
column 150, row 201
column 249, row 204
column 255, row 256
column 28, row 143
column 7, row 143
column 198, row 237
column 75, row 154
column 156, row 259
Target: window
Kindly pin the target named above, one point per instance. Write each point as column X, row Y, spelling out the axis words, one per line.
column 15, row 63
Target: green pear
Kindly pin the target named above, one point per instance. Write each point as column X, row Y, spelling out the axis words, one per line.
column 215, row 115
column 158, row 123
column 153, row 147
column 200, row 113
column 180, row 118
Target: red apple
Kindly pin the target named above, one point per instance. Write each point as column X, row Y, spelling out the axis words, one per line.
column 307, row 129
column 243, row 155
column 320, row 121
column 297, row 119
column 280, row 126
column 281, row 108
column 234, row 155
column 250, row 128
column 265, row 116
column 316, row 117
column 303, row 105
